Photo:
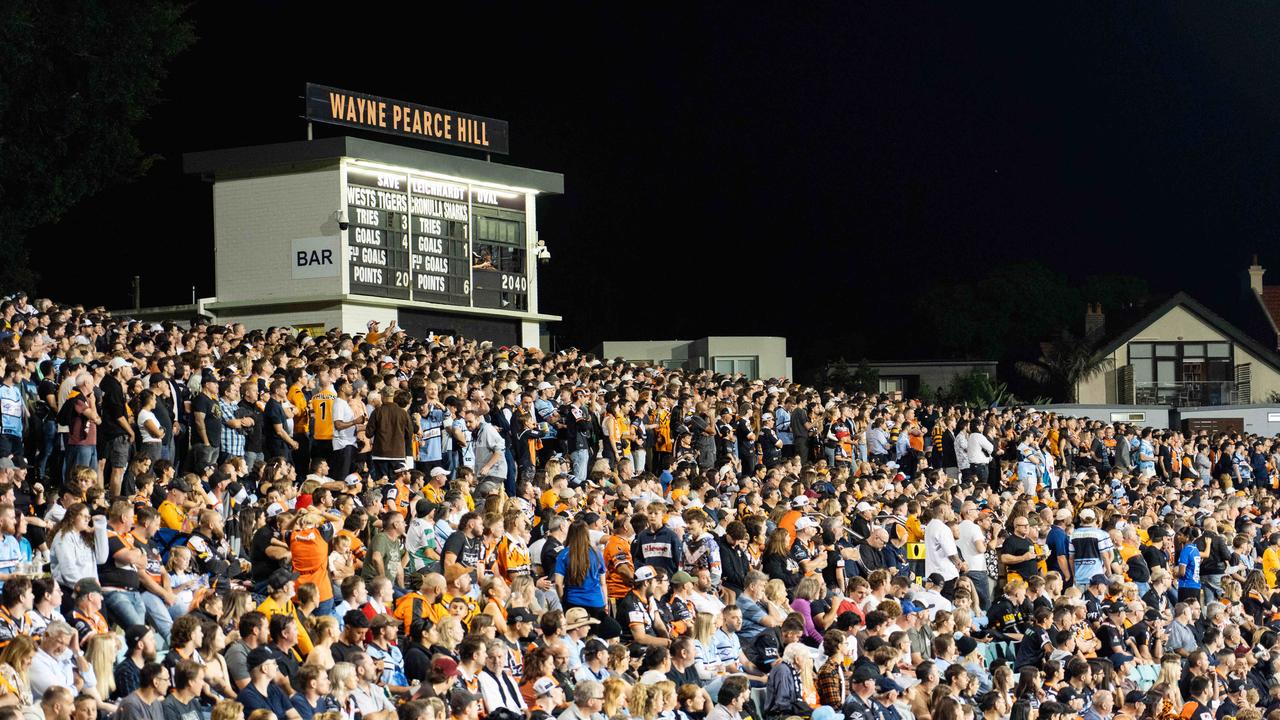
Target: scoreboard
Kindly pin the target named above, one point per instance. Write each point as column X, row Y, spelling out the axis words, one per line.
column 421, row 238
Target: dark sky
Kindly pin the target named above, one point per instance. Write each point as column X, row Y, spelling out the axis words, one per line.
column 732, row 170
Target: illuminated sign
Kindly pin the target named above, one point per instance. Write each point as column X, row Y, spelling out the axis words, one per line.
column 426, row 239
column 396, row 117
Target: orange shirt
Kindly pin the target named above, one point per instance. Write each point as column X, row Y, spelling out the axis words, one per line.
column 311, row 560
column 298, row 400
column 617, row 554
column 788, row 523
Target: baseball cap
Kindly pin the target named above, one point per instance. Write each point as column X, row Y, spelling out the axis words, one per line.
column 1099, row 579
column 355, row 619
column 116, row 363
column 1133, row 697
column 1235, row 685
column 280, row 578
column 133, row 635
column 446, row 665
column 544, row 687
column 1063, row 514
column 544, row 385
column 804, row 523
column 884, row 685
column 909, row 607
column 274, row 509
column 1087, row 514
column 799, row 502
column 826, row 712
column 519, row 615
column 259, row 656
column 681, row 578
column 935, row 579
column 863, row 673
column 438, row 471
column 1118, row 659
column 645, row 572
column 85, row 586
column 865, row 506
column 966, row 645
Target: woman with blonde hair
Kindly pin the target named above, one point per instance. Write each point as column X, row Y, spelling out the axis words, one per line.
column 643, row 702
column 101, row 654
column 705, row 660
column 615, row 698
column 446, row 635
column 524, row 595
column 666, row 698
column 495, row 592
column 775, row 595
column 342, row 678
column 15, row 666
column 325, row 630
column 227, row 710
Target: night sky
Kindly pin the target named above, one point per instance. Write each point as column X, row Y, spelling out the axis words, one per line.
column 731, row 170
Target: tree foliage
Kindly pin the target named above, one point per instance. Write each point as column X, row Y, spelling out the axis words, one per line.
column 77, row 77
column 1065, row 362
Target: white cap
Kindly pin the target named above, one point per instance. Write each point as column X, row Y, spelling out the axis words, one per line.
column 438, row 471
column 644, row 572
column 274, row 509
column 1087, row 514
column 799, row 502
column 544, row 385
column 805, row 523
column 865, row 506
column 353, row 479
column 117, row 363
column 892, row 465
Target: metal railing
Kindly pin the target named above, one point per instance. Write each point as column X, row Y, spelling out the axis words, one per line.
column 1197, row 393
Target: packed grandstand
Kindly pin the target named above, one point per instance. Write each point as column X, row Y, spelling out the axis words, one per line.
column 207, row 521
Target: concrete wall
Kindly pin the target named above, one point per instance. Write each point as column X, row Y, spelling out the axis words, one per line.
column 1257, row 418
column 255, row 221
column 652, row 350
column 330, row 316
column 935, row 375
column 1156, row 416
column 770, row 351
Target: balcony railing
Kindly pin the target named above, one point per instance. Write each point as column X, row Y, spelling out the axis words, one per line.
column 1196, row 393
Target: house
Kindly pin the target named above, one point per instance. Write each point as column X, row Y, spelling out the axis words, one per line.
column 755, row 357
column 909, row 377
column 1182, row 354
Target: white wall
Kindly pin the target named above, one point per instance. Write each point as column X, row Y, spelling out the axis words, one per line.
column 255, row 221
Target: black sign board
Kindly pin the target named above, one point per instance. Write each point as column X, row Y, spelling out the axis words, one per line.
column 396, row 117
column 410, row 237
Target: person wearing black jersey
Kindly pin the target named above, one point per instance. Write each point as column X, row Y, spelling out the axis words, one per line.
column 1008, row 613
column 638, row 615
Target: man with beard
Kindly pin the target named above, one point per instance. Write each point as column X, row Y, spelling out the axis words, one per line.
column 140, row 649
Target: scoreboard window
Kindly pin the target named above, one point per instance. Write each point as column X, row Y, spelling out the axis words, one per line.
column 498, row 260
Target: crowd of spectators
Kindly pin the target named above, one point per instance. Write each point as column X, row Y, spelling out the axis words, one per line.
column 203, row 521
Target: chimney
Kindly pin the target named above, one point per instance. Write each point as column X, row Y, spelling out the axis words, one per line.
column 1255, row 276
column 1095, row 322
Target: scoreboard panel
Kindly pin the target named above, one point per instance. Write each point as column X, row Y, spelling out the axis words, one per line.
column 426, row 239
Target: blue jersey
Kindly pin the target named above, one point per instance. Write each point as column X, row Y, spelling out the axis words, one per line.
column 10, row 410
column 430, row 429
column 1189, row 558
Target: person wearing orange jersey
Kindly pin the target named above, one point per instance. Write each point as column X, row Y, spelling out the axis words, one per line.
column 299, row 385
column 320, row 412
column 619, row 567
column 310, row 554
column 511, row 557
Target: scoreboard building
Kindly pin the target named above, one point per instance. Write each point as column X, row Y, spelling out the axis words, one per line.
column 338, row 231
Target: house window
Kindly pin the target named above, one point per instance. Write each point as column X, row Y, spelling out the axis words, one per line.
column 892, row 384
column 1179, row 362
column 728, row 365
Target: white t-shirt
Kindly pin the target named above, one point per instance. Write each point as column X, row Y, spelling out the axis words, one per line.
column 970, row 534
column 147, row 437
column 939, row 546
column 347, row 436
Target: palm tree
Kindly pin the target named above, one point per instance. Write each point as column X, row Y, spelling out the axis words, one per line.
column 1065, row 362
